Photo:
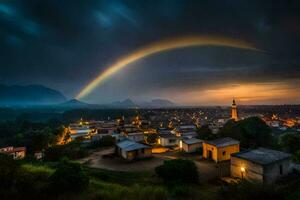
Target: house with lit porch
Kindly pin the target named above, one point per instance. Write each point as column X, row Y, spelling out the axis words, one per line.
column 260, row 165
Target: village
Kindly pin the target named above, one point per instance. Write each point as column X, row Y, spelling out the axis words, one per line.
column 137, row 146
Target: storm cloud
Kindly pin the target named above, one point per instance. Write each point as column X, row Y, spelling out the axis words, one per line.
column 66, row 44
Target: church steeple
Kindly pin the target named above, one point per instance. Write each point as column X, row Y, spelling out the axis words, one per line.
column 234, row 115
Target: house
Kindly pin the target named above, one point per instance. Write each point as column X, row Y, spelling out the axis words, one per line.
column 80, row 131
column 135, row 136
column 169, row 140
column 38, row 155
column 262, row 165
column 15, row 152
column 185, row 129
column 191, row 145
column 131, row 150
column 220, row 149
column 189, row 135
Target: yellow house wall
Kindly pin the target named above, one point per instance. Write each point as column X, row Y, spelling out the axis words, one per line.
column 207, row 148
column 217, row 153
column 228, row 151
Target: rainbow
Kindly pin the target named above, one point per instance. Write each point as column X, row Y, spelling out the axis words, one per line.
column 160, row 46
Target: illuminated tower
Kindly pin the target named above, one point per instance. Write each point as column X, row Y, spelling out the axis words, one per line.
column 234, row 115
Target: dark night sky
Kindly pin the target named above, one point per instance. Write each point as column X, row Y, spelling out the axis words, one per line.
column 66, row 44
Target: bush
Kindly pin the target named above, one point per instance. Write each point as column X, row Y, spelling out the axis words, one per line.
column 18, row 182
column 178, row 170
column 69, row 177
column 296, row 157
column 32, row 185
column 72, row 150
column 290, row 142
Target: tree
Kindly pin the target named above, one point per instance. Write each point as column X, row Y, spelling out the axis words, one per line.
column 152, row 138
column 251, row 132
column 8, row 171
column 290, row 142
column 69, row 177
column 205, row 133
column 41, row 139
column 296, row 157
column 72, row 150
column 178, row 170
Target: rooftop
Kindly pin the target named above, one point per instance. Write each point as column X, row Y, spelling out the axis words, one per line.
column 192, row 133
column 223, row 142
column 12, row 149
column 187, row 127
column 170, row 136
column 130, row 145
column 262, row 156
column 192, row 141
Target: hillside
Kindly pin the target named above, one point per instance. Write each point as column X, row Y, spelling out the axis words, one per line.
column 29, row 95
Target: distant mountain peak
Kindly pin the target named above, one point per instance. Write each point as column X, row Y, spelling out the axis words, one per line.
column 127, row 103
column 155, row 103
column 29, row 95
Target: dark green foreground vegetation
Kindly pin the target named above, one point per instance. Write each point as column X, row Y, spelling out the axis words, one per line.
column 69, row 180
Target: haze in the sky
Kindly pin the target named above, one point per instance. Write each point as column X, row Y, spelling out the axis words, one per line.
column 65, row 45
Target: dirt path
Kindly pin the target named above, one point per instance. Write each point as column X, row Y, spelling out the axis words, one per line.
column 118, row 164
column 207, row 170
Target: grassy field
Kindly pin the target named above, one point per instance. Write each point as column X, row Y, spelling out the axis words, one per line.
column 114, row 185
column 36, row 168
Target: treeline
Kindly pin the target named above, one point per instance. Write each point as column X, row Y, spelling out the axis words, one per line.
column 65, row 116
column 33, row 135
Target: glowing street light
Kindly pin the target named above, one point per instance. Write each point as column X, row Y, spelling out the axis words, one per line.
column 243, row 171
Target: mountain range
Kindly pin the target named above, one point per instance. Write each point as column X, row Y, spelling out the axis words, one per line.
column 155, row 103
column 29, row 95
column 38, row 95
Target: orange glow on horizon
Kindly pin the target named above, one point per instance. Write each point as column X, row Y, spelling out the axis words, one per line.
column 254, row 93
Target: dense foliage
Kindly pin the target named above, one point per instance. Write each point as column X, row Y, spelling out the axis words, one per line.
column 69, row 177
column 72, row 150
column 252, row 132
column 290, row 142
column 178, row 170
column 204, row 133
column 17, row 183
column 152, row 138
column 34, row 136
